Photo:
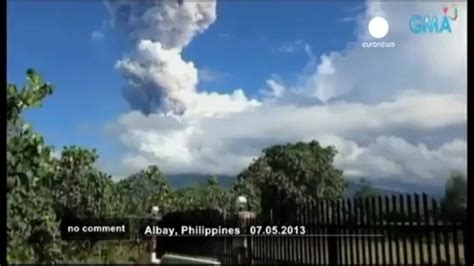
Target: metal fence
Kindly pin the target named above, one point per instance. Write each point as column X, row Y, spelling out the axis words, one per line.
column 391, row 230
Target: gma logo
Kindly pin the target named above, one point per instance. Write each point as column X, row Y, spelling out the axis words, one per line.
column 433, row 24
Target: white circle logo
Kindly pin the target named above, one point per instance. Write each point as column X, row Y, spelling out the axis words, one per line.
column 378, row 27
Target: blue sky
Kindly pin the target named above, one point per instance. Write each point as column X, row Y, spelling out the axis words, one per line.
column 247, row 75
column 54, row 38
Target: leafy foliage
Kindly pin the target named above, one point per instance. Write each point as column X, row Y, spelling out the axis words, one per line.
column 214, row 197
column 41, row 189
column 294, row 174
column 81, row 191
column 144, row 189
column 210, row 196
column 455, row 199
column 366, row 190
column 32, row 223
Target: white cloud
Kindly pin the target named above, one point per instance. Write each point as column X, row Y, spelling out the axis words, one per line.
column 276, row 88
column 292, row 47
column 227, row 143
column 208, row 75
column 168, row 83
column 391, row 156
column 348, row 19
column 97, row 35
column 159, row 75
column 378, row 107
column 432, row 62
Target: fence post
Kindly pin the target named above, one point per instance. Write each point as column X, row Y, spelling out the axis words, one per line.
column 156, row 217
column 332, row 237
column 250, row 239
column 241, row 244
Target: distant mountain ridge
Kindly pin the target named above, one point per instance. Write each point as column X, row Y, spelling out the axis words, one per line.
column 353, row 187
column 195, row 179
column 379, row 185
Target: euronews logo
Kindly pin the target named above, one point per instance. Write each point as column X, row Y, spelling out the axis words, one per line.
column 378, row 28
column 434, row 24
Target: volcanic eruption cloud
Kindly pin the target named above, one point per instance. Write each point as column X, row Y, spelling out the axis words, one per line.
column 158, row 79
column 391, row 114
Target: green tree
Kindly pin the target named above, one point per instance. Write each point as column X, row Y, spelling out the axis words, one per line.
column 80, row 190
column 143, row 190
column 455, row 199
column 207, row 196
column 214, row 196
column 42, row 190
column 187, row 198
column 366, row 190
column 32, row 226
column 294, row 174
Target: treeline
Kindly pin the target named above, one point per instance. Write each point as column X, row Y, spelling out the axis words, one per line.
column 43, row 189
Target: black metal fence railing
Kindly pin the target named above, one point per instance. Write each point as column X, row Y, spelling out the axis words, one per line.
column 390, row 230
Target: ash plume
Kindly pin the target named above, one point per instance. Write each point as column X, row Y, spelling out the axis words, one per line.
column 157, row 78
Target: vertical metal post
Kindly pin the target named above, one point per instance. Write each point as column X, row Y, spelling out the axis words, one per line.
column 332, row 240
column 155, row 216
column 240, row 244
